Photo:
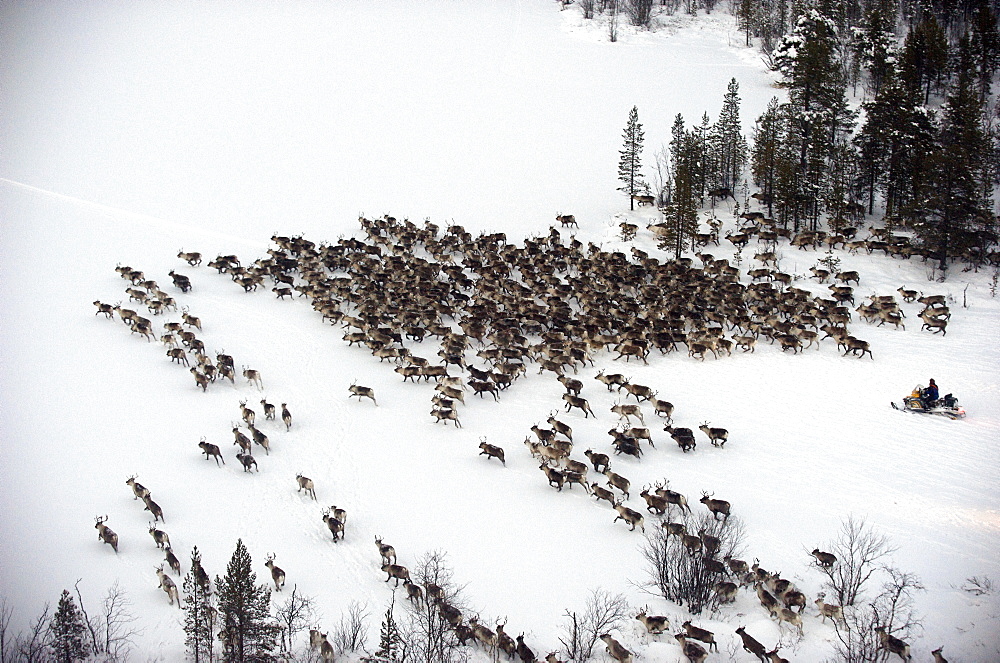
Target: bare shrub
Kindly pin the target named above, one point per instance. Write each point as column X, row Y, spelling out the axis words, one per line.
column 116, row 627
column 640, row 12
column 427, row 635
column 677, row 574
column 351, row 632
column 858, row 549
column 294, row 615
column 587, row 7
column 978, row 586
column 892, row 609
column 604, row 612
column 33, row 646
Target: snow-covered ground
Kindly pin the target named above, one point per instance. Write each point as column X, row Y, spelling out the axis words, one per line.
column 132, row 131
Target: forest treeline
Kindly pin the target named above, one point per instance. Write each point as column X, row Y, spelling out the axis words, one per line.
column 890, row 111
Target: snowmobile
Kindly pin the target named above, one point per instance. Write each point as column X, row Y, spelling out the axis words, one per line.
column 945, row 407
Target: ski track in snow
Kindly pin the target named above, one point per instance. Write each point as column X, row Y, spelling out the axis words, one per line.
column 87, row 404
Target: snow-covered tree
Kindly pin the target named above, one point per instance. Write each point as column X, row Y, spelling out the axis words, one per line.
column 67, row 632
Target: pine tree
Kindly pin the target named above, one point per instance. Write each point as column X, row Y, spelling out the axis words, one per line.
column 817, row 104
column 952, row 211
column 764, row 154
column 728, row 144
column 985, row 48
column 925, row 57
column 390, row 645
column 630, row 163
column 682, row 215
column 67, row 631
column 875, row 44
column 244, row 612
column 199, row 616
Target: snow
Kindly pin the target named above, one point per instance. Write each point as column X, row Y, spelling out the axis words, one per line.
column 133, row 131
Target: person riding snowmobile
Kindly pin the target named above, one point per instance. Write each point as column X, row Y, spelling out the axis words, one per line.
column 930, row 395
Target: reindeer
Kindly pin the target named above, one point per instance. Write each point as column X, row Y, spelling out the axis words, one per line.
column 773, row 656
column 181, row 282
column 491, row 451
column 362, row 392
column 601, row 462
column 306, row 484
column 824, row 559
column 159, row 536
column 523, row 651
column 555, row 477
column 253, row 377
column 192, row 258
column 701, row 634
column 247, row 460
column 336, row 526
column 717, row 436
column 505, row 643
column 617, row 481
column 153, row 508
column 387, row 552
column 834, row 612
column 938, row 656
column 261, row 439
column 662, row 409
column 248, row 414
column 168, row 586
column 171, row 559
column 715, row 506
column 268, row 409
column 286, row 417
column 684, row 437
column 726, row 591
column 483, row 635
column 602, row 493
column 566, row 220
column 641, row 392
column 892, row 644
column 580, row 403
column 106, row 309
column 560, row 427
column 141, row 492
column 751, row 645
column 655, row 625
column 614, row 380
column 178, row 355
column 572, row 385
column 445, row 415
column 242, row 440
column 277, row 575
column 616, row 650
column 105, row 533
column 190, row 320
column 624, row 411
column 413, row 592
column 630, row 516
column 857, row 346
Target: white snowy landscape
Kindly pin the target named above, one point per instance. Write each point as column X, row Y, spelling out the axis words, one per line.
column 132, row 131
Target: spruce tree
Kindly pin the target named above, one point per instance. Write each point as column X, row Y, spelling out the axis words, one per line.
column 952, row 212
column 728, row 144
column 630, row 162
column 764, row 154
column 390, row 645
column 244, row 612
column 199, row 616
column 67, row 632
column 682, row 216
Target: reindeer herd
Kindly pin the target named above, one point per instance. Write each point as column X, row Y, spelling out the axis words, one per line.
column 547, row 302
